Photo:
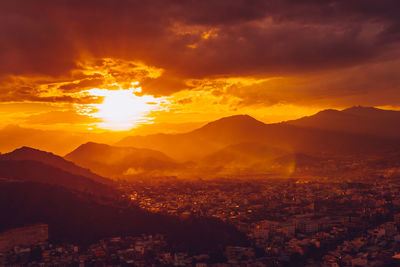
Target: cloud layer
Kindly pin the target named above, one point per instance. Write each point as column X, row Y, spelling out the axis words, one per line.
column 303, row 52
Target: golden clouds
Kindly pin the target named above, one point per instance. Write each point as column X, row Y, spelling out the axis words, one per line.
column 90, row 73
column 219, row 97
column 107, row 94
column 97, row 93
column 212, row 33
column 194, row 35
column 119, row 71
column 117, row 94
column 79, row 45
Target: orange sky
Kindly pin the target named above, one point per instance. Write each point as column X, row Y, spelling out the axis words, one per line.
column 168, row 66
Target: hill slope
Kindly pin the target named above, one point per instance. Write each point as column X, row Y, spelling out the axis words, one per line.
column 72, row 218
column 29, row 170
column 357, row 120
column 27, row 153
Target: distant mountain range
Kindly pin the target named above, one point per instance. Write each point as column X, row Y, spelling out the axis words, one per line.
column 242, row 144
column 313, row 135
column 232, row 145
column 357, row 120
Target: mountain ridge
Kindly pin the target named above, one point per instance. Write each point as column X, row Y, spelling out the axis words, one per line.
column 36, row 171
column 293, row 136
column 48, row 158
column 357, row 120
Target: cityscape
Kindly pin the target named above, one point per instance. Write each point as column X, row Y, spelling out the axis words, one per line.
column 311, row 223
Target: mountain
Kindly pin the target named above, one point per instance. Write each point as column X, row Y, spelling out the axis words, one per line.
column 203, row 141
column 27, row 153
column 116, row 161
column 357, row 120
column 233, row 130
column 78, row 219
column 36, row 171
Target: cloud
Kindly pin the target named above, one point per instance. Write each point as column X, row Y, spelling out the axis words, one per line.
column 82, row 85
column 104, row 73
column 53, row 50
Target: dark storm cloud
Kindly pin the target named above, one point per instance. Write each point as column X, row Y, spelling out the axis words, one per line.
column 373, row 85
column 251, row 37
column 167, row 83
column 83, row 84
column 33, row 94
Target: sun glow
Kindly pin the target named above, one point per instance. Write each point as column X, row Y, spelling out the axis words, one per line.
column 122, row 109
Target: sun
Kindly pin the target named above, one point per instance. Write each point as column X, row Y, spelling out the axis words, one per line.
column 122, row 109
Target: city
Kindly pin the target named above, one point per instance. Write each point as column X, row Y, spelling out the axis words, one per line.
column 316, row 223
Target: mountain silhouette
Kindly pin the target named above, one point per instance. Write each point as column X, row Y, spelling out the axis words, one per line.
column 28, row 153
column 201, row 142
column 357, row 120
column 116, row 161
column 233, row 130
column 36, row 171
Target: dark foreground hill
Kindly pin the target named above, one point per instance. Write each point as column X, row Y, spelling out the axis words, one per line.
column 29, row 170
column 77, row 219
column 28, row 153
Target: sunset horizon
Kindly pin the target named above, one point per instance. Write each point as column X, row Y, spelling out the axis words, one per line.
column 183, row 63
column 106, row 133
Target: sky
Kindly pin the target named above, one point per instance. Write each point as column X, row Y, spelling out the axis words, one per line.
column 170, row 65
